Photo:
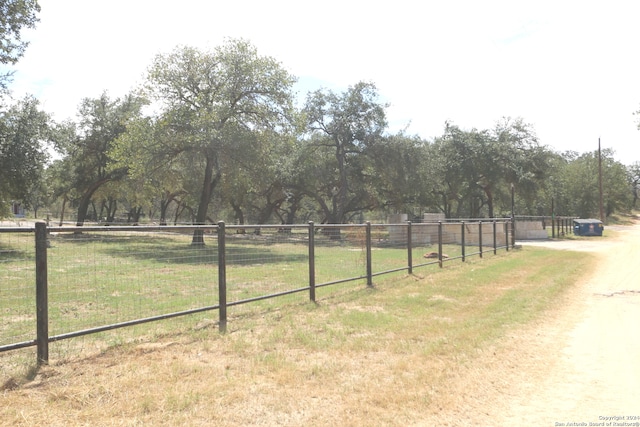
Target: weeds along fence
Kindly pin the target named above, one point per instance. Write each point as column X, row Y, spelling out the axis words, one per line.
column 58, row 283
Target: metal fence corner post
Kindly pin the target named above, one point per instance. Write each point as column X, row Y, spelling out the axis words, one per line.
column 506, row 235
column 312, row 262
column 369, row 267
column 42, row 294
column 495, row 237
column 409, row 247
column 480, row 238
column 440, row 243
column 462, row 241
column 222, row 277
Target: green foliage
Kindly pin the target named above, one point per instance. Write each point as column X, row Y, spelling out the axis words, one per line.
column 633, row 178
column 400, row 172
column 579, row 178
column 153, row 176
column 15, row 15
column 342, row 129
column 225, row 141
column 475, row 171
column 24, row 130
column 86, row 145
column 214, row 107
column 460, row 174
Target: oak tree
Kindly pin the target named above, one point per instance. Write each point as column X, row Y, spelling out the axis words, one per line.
column 211, row 102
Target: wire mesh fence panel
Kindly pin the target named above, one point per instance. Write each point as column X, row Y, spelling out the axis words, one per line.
column 451, row 241
column 265, row 261
column 389, row 251
column 107, row 277
column 503, row 235
column 424, row 241
column 99, row 279
column 476, row 238
column 466, row 247
column 340, row 253
column 17, row 287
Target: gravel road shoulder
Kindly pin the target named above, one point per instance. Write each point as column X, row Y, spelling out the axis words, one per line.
column 584, row 365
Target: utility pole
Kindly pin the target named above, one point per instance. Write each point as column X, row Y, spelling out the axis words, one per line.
column 513, row 216
column 600, row 181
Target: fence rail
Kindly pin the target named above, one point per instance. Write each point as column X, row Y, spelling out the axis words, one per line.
column 95, row 279
column 560, row 225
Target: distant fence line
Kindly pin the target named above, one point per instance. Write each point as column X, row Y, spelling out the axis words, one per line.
column 123, row 254
column 535, row 227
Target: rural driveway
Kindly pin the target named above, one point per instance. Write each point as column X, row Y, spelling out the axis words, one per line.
column 582, row 366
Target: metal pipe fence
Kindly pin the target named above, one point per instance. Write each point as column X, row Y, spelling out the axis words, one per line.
column 560, row 225
column 95, row 279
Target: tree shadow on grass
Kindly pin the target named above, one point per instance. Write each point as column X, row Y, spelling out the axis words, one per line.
column 177, row 250
column 10, row 253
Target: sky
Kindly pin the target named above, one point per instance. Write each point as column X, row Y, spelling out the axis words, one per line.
column 568, row 68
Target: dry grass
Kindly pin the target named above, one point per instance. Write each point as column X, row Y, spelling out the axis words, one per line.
column 412, row 351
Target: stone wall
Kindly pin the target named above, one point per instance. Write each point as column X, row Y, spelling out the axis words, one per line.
column 426, row 233
column 530, row 230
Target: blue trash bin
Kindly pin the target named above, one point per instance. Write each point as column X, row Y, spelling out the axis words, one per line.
column 587, row 227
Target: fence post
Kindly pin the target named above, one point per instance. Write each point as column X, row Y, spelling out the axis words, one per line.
column 480, row 237
column 513, row 233
column 369, row 269
column 440, row 243
column 312, row 262
column 495, row 243
column 409, row 247
column 462, row 242
column 506, row 235
column 42, row 295
column 222, row 277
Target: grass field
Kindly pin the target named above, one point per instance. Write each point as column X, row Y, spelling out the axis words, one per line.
column 101, row 278
column 394, row 354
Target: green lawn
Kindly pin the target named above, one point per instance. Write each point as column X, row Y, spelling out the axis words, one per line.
column 101, row 278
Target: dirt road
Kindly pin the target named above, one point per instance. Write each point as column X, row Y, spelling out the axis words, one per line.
column 583, row 366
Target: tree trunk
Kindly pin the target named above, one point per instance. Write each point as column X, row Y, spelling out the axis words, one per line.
column 239, row 214
column 134, row 215
column 239, row 217
column 64, row 202
column 164, row 205
column 111, row 210
column 330, row 218
column 82, row 209
column 290, row 214
column 340, row 199
column 94, row 217
column 489, row 194
column 179, row 209
column 266, row 212
column 209, row 183
column 85, row 201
